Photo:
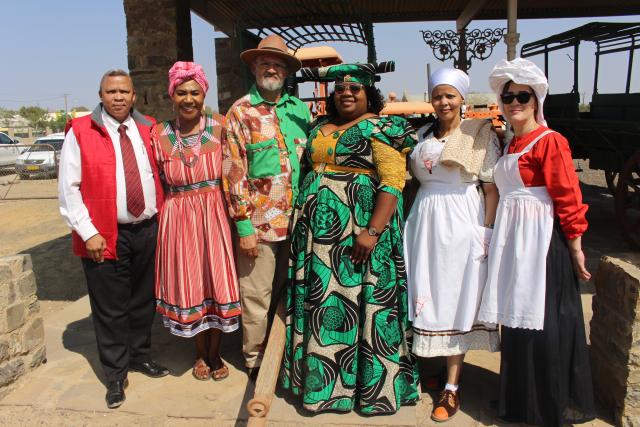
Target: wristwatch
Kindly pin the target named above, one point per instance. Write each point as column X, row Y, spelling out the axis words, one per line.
column 372, row 232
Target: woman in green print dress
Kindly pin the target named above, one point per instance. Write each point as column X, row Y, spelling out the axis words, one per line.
column 348, row 335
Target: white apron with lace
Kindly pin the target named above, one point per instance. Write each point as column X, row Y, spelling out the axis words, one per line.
column 514, row 295
column 445, row 259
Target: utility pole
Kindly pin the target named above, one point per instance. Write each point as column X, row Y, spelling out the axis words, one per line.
column 66, row 110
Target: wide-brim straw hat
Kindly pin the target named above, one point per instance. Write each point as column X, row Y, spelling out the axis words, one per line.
column 273, row 45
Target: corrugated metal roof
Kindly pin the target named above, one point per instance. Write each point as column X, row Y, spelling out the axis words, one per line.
column 232, row 14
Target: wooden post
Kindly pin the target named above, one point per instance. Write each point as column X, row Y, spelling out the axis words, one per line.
column 512, row 36
column 267, row 380
column 371, row 43
column 463, row 63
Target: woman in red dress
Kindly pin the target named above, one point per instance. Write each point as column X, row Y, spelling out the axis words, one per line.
column 535, row 261
column 196, row 283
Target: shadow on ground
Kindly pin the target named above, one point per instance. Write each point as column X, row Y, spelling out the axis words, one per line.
column 58, row 271
column 176, row 353
column 478, row 386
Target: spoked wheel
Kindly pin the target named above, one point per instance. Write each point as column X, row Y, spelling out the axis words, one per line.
column 612, row 180
column 627, row 199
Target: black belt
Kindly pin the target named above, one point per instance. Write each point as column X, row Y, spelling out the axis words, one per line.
column 137, row 225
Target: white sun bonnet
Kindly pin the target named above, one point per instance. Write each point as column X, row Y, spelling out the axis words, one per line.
column 524, row 72
column 452, row 77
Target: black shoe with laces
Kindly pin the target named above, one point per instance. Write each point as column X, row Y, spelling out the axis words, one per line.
column 115, row 393
column 150, row 369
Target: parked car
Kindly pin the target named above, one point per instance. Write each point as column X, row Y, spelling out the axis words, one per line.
column 9, row 152
column 41, row 159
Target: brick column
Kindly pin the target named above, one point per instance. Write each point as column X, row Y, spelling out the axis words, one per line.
column 158, row 34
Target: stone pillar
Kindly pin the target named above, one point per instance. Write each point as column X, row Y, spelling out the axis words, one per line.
column 234, row 77
column 229, row 74
column 615, row 340
column 158, row 34
column 21, row 327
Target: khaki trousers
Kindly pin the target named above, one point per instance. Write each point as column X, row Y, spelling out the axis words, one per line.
column 261, row 281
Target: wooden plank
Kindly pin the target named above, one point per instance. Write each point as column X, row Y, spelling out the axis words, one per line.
column 216, row 14
column 267, row 380
column 468, row 13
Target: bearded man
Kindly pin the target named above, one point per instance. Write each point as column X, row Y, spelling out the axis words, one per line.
column 266, row 134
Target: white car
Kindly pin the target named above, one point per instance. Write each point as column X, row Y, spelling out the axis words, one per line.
column 8, row 151
column 41, row 158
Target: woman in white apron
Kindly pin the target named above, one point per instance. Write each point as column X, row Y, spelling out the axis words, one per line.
column 535, row 260
column 447, row 233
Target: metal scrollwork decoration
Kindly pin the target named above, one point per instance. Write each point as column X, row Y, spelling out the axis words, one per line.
column 463, row 45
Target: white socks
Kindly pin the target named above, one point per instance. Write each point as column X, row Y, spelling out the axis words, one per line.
column 451, row 387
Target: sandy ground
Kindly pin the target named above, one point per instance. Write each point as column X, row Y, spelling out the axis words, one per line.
column 35, row 227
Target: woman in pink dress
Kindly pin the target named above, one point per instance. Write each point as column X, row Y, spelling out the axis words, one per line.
column 196, row 283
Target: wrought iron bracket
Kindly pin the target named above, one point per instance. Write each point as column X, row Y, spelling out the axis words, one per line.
column 464, row 45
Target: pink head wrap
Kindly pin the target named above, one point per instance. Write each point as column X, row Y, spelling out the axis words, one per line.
column 183, row 71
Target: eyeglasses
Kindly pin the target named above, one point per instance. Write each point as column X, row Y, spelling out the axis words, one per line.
column 354, row 88
column 276, row 65
column 522, row 97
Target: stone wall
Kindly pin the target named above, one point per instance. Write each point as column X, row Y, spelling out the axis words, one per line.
column 158, row 35
column 234, row 77
column 21, row 327
column 615, row 340
column 228, row 73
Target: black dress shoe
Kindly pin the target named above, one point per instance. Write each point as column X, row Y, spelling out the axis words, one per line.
column 115, row 393
column 150, row 369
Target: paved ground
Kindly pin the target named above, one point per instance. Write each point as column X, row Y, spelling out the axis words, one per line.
column 67, row 391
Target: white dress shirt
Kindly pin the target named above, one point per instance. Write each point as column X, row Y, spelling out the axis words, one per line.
column 71, row 205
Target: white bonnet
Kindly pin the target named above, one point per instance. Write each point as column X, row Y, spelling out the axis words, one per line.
column 524, row 72
column 452, row 77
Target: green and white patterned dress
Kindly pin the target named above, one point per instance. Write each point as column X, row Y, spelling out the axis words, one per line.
column 347, row 331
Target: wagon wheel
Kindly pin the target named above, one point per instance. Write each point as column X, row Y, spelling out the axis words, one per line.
column 627, row 200
column 612, row 180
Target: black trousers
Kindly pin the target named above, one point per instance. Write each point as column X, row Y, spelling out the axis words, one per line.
column 122, row 297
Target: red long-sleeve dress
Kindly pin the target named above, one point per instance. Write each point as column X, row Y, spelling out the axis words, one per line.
column 545, row 375
column 549, row 163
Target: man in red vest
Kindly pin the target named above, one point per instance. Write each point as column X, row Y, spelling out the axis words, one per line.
column 110, row 194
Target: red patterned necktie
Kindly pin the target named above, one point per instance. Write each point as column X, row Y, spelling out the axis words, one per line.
column 135, row 196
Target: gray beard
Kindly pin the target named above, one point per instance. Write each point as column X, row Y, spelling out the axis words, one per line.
column 270, row 85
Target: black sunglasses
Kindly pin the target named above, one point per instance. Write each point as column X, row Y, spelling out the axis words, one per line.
column 354, row 88
column 522, row 97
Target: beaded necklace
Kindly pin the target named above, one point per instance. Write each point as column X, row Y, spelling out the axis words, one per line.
column 180, row 145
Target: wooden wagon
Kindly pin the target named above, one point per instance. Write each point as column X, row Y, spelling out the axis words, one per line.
column 608, row 134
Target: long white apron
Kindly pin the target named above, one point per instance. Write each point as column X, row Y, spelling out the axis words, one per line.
column 514, row 295
column 443, row 241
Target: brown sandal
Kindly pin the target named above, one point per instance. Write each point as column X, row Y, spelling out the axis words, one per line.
column 199, row 367
column 220, row 373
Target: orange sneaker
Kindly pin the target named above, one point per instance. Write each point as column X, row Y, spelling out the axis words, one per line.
column 447, row 406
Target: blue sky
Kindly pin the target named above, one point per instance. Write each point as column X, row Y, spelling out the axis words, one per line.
column 54, row 47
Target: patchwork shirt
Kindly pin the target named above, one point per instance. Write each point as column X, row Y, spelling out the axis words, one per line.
column 263, row 144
